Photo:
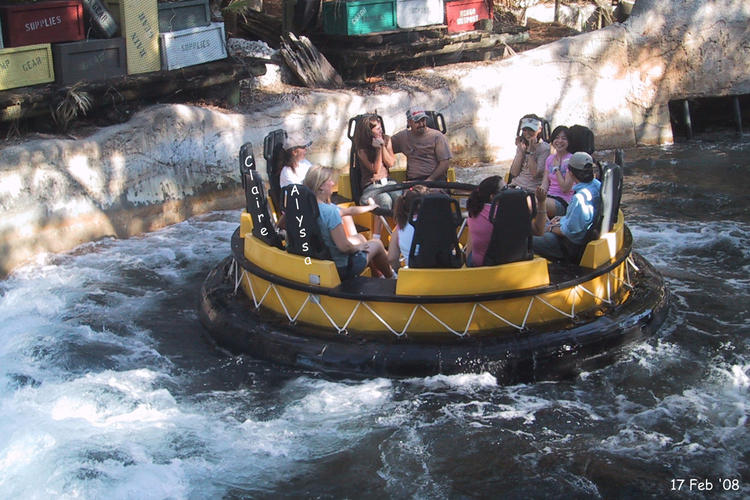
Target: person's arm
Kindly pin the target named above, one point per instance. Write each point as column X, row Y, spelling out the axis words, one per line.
column 394, row 253
column 338, row 235
column 517, row 165
column 566, row 181
column 545, row 179
column 538, row 225
column 440, row 170
column 389, row 158
column 443, row 157
column 372, row 166
column 358, row 209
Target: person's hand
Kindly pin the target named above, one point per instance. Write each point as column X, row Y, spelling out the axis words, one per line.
column 520, row 144
column 541, row 196
column 371, row 203
column 377, row 142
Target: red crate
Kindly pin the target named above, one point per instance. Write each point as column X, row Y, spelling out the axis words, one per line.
column 462, row 14
column 43, row 22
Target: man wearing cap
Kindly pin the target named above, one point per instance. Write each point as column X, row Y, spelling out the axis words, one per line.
column 427, row 152
column 527, row 169
column 565, row 237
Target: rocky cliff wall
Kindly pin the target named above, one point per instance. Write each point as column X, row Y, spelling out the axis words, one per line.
column 170, row 162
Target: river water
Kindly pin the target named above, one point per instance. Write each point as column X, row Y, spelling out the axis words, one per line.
column 109, row 390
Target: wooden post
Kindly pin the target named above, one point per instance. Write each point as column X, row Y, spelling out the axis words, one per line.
column 557, row 11
column 737, row 114
column 688, row 122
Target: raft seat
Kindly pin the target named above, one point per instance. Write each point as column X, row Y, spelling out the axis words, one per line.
column 474, row 280
column 297, row 268
column 604, row 249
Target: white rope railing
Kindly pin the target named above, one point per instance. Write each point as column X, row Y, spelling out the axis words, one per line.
column 577, row 291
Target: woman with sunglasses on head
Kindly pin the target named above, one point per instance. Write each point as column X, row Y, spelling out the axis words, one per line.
column 374, row 156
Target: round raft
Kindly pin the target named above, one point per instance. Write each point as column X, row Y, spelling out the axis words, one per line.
column 524, row 319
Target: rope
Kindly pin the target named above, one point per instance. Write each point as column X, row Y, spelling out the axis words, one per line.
column 343, row 329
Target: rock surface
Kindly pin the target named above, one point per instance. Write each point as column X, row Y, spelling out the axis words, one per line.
column 172, row 161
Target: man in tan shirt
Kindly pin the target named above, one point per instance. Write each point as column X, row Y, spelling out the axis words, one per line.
column 427, row 152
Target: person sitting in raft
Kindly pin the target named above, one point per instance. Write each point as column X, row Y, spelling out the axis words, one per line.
column 375, row 157
column 427, row 151
column 480, row 228
column 557, row 182
column 294, row 164
column 350, row 258
column 401, row 238
column 563, row 238
column 527, row 169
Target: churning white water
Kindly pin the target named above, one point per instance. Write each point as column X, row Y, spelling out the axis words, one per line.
column 108, row 388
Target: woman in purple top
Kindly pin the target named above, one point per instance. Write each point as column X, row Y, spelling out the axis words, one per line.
column 480, row 227
column 558, row 181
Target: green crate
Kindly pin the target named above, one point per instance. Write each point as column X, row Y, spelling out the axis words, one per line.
column 359, row 17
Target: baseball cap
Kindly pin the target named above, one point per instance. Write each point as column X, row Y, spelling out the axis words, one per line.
column 581, row 161
column 416, row 114
column 296, row 141
column 531, row 123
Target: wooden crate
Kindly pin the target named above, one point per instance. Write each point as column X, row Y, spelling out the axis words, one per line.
column 193, row 46
column 139, row 26
column 27, row 65
column 413, row 13
column 359, row 17
column 462, row 14
column 100, row 18
column 89, row 60
column 42, row 22
column 178, row 16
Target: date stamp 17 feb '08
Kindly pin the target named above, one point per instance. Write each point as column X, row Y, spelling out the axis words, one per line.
column 705, row 484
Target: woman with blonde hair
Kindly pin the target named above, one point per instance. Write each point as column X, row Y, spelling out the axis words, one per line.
column 350, row 258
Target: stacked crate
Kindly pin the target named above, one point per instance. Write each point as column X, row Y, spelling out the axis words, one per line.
column 29, row 30
column 187, row 35
column 462, row 15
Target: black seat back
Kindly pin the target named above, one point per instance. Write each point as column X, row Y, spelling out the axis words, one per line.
column 611, row 195
column 580, row 138
column 355, row 169
column 435, row 243
column 256, row 205
column 436, row 120
column 247, row 161
column 272, row 146
column 511, row 215
column 302, row 230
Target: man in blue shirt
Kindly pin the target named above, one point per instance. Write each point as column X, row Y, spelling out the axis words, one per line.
column 565, row 237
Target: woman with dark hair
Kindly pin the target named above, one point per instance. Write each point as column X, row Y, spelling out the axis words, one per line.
column 350, row 258
column 480, row 228
column 375, row 158
column 403, row 234
column 557, row 180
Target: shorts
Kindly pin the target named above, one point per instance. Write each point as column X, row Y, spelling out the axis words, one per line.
column 561, row 206
column 355, row 265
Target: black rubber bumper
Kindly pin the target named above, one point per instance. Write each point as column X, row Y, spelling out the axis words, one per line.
column 513, row 357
